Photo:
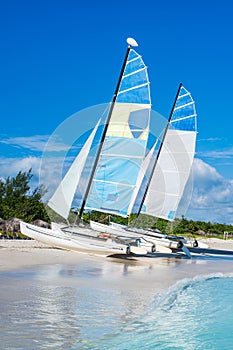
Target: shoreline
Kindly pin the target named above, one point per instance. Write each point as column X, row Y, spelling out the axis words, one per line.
column 28, row 254
column 30, row 265
column 16, row 254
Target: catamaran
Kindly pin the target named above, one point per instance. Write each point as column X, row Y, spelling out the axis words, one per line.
column 122, row 146
column 164, row 174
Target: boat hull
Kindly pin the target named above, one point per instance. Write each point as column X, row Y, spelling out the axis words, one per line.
column 158, row 234
column 67, row 241
column 211, row 251
column 80, row 239
column 135, row 245
column 162, row 245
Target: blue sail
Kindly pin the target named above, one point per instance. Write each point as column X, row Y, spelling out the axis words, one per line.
column 125, row 143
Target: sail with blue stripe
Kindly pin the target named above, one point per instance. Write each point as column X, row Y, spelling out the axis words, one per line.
column 125, row 143
column 134, row 86
column 174, row 163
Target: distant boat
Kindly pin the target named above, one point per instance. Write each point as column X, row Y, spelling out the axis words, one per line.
column 109, row 189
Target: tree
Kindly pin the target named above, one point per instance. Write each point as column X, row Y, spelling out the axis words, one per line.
column 17, row 199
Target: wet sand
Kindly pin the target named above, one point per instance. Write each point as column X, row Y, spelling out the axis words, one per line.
column 159, row 271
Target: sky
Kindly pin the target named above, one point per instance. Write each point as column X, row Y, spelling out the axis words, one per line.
column 59, row 57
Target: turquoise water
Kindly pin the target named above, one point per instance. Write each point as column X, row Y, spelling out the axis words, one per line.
column 72, row 307
column 194, row 314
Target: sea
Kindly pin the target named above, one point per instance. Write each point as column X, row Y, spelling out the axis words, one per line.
column 73, row 307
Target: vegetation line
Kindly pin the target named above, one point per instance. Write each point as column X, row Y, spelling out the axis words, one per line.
column 18, row 200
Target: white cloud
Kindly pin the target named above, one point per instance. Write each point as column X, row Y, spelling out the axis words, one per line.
column 212, row 197
column 36, row 143
column 222, row 154
column 11, row 166
column 49, row 175
column 211, row 139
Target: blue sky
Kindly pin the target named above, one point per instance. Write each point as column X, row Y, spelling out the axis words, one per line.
column 58, row 57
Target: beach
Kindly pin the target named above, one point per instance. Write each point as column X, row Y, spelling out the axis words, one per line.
column 21, row 254
column 56, row 298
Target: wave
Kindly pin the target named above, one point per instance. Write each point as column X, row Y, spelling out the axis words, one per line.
column 169, row 297
column 191, row 314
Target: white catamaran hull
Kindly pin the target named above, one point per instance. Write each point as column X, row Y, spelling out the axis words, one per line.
column 136, row 245
column 158, row 234
column 162, row 245
column 85, row 240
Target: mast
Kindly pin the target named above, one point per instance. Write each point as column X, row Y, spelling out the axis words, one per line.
column 159, row 151
column 130, row 42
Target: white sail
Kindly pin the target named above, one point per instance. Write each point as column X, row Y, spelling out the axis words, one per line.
column 174, row 162
column 141, row 177
column 62, row 198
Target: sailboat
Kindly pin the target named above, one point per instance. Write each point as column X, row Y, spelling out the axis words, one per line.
column 172, row 165
column 122, row 146
column 165, row 172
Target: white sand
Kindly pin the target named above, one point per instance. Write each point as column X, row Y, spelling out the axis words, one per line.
column 217, row 243
column 15, row 254
column 18, row 254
